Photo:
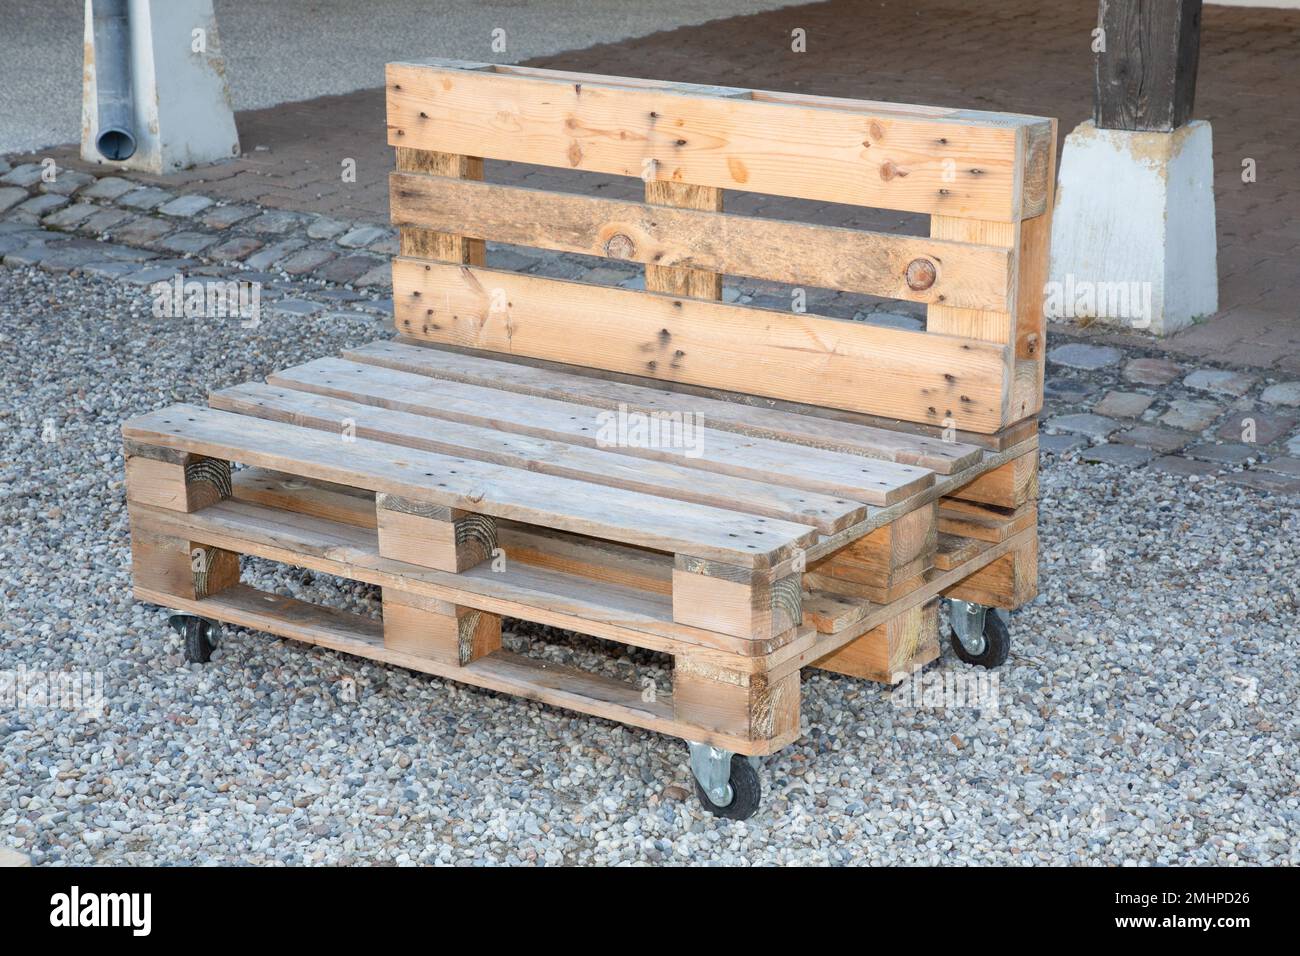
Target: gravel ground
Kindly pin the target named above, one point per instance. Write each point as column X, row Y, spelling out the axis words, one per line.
column 1146, row 716
column 299, row 49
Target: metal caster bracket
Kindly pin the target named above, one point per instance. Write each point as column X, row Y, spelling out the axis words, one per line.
column 712, row 769
column 968, row 624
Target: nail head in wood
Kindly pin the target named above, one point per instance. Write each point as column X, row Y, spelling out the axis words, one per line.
column 921, row 274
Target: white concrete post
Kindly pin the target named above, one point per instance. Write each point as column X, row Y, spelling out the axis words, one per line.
column 1133, row 232
column 182, row 109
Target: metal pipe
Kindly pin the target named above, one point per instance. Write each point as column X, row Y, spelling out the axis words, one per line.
column 116, row 140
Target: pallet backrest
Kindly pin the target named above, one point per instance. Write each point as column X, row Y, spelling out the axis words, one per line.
column 985, row 179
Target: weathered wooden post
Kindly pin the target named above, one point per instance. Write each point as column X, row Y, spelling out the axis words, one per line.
column 1133, row 240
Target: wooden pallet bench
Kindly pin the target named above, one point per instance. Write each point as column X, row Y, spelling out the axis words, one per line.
column 748, row 491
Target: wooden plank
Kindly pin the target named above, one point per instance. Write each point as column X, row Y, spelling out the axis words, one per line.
column 683, row 280
column 970, row 520
column 525, row 677
column 962, row 274
column 964, row 164
column 847, row 476
column 475, row 486
column 555, row 598
column 1032, row 257
column 1145, row 78
column 955, row 550
column 447, row 244
column 885, row 444
column 662, row 478
column 831, row 613
column 322, row 499
column 915, row 376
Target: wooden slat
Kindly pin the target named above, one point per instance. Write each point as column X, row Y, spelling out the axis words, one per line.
column 897, row 446
column 961, row 164
column 665, row 479
column 967, row 275
column 970, row 520
column 915, row 376
column 832, row 613
column 843, row 476
column 954, row 550
column 479, row 487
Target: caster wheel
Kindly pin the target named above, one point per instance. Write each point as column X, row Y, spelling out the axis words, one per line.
column 997, row 643
column 199, row 634
column 746, row 792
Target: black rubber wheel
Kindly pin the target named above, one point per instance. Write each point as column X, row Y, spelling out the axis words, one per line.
column 746, row 792
column 997, row 642
column 199, row 635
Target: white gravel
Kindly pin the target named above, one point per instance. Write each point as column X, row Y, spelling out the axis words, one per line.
column 1146, row 715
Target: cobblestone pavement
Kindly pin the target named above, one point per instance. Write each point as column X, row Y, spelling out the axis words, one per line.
column 926, row 51
column 1119, row 404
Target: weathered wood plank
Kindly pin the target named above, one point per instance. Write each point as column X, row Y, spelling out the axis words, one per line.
column 916, row 376
column 825, row 472
column 962, row 274
column 963, row 164
column 666, row 479
column 885, row 444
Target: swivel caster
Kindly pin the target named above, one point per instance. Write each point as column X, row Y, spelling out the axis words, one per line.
column 200, row 635
column 726, row 783
column 979, row 634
